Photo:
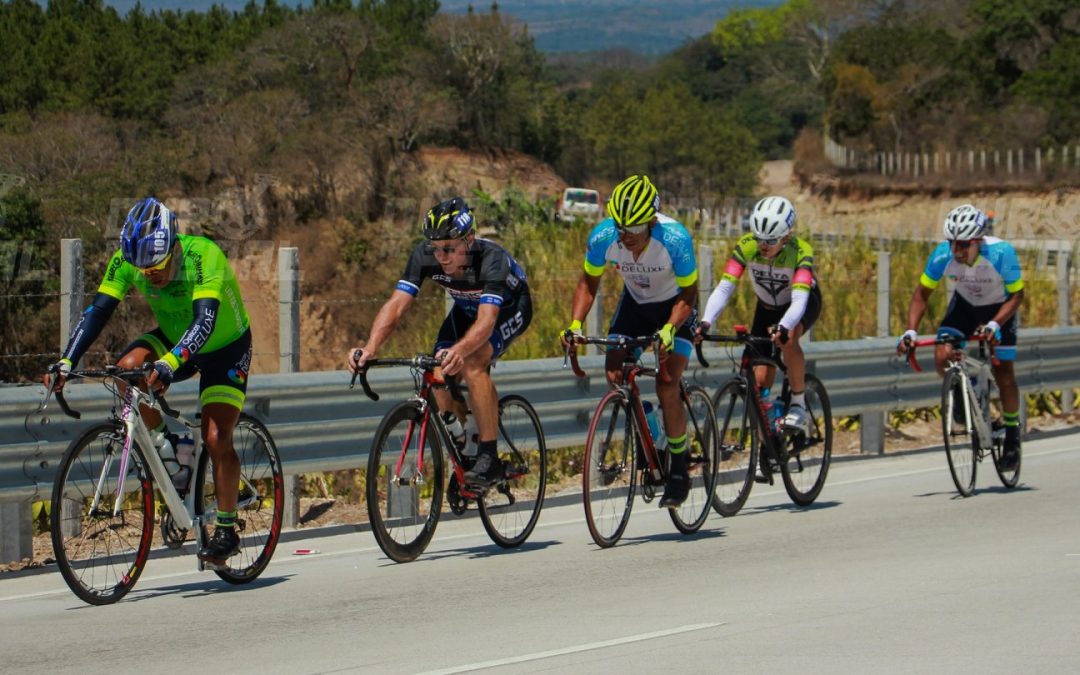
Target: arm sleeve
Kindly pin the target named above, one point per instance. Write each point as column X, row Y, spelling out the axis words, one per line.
column 795, row 311
column 196, row 335
column 90, row 324
column 718, row 300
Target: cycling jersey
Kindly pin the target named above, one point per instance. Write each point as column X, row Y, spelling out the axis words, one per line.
column 665, row 266
column 204, row 273
column 990, row 280
column 774, row 279
column 491, row 277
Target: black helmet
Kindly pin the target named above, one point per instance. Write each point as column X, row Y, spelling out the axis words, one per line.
column 448, row 220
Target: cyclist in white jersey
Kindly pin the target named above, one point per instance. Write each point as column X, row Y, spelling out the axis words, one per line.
column 655, row 257
column 989, row 288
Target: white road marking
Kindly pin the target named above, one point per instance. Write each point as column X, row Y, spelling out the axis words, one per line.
column 536, row 656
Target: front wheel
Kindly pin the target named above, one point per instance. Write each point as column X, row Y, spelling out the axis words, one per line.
column 961, row 441
column 260, row 502
column 404, row 483
column 101, row 524
column 611, row 451
column 739, row 440
column 808, row 455
column 701, row 449
column 510, row 508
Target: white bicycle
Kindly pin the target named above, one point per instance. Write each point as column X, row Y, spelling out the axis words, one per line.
column 103, row 499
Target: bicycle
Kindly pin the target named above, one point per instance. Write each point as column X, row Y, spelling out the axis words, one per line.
column 966, row 426
column 103, row 502
column 621, row 453
column 752, row 438
column 406, row 474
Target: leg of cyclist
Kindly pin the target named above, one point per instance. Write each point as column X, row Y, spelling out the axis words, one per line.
column 797, row 418
column 1005, row 376
column 675, row 422
column 222, row 391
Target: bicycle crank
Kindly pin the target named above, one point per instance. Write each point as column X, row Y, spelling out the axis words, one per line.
column 174, row 536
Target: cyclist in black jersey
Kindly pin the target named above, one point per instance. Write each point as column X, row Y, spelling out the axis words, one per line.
column 492, row 307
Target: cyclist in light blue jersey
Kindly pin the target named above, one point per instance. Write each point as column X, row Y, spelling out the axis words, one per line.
column 654, row 254
column 989, row 288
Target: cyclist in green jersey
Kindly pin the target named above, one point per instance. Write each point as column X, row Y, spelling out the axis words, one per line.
column 789, row 300
column 202, row 327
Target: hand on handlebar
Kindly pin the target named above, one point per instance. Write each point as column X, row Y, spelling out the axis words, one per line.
column 778, row 334
column 991, row 332
column 452, row 361
column 667, row 337
column 701, row 329
column 56, row 375
column 903, row 345
column 571, row 334
column 356, row 359
column 159, row 376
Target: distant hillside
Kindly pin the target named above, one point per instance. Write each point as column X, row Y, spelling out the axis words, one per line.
column 645, row 27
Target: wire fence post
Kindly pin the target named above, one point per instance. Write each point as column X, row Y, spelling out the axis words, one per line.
column 594, row 320
column 883, row 291
column 1063, row 264
column 705, row 275
column 289, row 353
column 72, row 287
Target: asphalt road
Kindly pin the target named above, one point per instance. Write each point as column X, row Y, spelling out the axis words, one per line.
column 890, row 571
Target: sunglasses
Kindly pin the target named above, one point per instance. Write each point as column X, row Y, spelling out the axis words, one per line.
column 449, row 249
column 957, row 243
column 771, row 241
column 158, row 267
column 632, row 229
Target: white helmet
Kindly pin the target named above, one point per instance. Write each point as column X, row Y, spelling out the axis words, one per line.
column 965, row 223
column 772, row 218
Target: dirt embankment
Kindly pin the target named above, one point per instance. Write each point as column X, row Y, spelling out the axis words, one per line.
column 826, row 204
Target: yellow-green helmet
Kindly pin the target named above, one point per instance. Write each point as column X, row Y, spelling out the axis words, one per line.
column 633, row 201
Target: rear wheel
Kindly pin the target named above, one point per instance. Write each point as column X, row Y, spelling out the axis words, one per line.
column 101, row 554
column 611, row 450
column 404, row 483
column 961, row 441
column 1009, row 477
column 739, row 439
column 509, row 509
column 260, row 503
column 701, row 449
column 808, row 455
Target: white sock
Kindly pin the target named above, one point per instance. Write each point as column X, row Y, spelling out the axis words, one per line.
column 799, row 399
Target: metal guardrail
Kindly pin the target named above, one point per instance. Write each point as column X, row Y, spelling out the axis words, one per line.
column 321, row 425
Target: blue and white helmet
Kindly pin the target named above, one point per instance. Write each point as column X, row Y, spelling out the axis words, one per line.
column 965, row 223
column 772, row 218
column 149, row 233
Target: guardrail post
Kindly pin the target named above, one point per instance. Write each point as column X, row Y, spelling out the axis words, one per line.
column 16, row 531
column 705, row 275
column 872, row 433
column 289, row 353
column 71, row 287
column 883, row 292
column 1063, row 264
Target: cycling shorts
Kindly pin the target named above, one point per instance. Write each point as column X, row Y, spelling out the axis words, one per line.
column 224, row 372
column 767, row 315
column 634, row 319
column 963, row 318
column 513, row 319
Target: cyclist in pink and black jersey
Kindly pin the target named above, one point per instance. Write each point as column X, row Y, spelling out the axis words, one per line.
column 789, row 301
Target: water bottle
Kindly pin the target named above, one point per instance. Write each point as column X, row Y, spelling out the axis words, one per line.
column 185, row 457
column 655, row 429
column 453, row 425
column 776, row 413
column 164, row 447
